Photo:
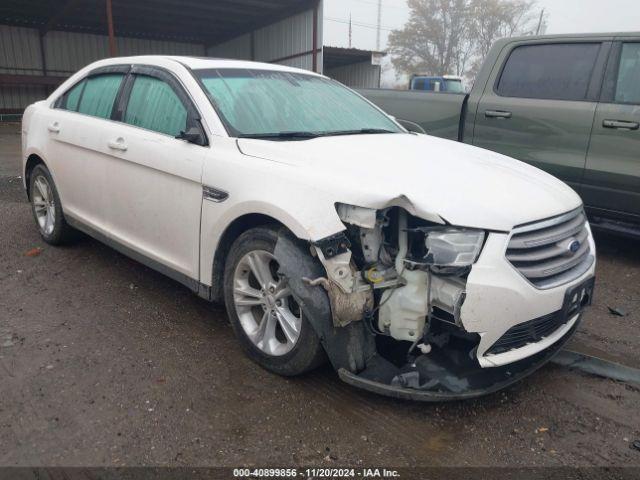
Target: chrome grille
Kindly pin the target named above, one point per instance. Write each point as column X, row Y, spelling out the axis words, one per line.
column 552, row 252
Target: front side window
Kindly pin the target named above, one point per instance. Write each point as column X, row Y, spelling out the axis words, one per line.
column 155, row 106
column 554, row 71
column 628, row 86
column 265, row 103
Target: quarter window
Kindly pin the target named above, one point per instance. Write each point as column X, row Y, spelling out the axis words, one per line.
column 72, row 97
column 155, row 106
column 554, row 71
column 628, row 86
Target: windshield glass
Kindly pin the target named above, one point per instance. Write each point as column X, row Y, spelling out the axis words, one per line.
column 264, row 103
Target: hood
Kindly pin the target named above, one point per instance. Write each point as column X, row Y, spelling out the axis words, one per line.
column 430, row 177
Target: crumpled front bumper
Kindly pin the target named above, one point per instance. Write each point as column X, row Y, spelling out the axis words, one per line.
column 454, row 382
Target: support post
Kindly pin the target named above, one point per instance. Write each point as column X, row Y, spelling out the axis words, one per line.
column 314, row 56
column 43, row 56
column 112, row 37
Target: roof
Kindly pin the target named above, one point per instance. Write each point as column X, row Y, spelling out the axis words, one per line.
column 198, row 63
column 571, row 36
column 197, row 21
column 338, row 56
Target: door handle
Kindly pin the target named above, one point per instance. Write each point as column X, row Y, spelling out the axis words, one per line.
column 620, row 124
column 117, row 144
column 497, row 114
column 54, row 127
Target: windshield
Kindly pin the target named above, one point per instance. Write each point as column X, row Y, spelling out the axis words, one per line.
column 264, row 103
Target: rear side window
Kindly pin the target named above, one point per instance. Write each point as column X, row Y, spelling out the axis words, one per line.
column 555, row 72
column 628, row 86
column 419, row 84
column 98, row 95
column 155, row 106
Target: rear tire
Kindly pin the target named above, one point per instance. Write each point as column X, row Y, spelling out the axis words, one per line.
column 47, row 208
column 269, row 324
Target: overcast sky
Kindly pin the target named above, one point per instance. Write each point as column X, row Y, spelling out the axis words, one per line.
column 563, row 16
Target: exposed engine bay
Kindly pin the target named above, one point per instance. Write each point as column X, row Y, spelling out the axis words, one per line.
column 401, row 274
column 388, row 305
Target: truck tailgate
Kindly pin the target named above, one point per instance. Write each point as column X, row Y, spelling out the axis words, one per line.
column 437, row 113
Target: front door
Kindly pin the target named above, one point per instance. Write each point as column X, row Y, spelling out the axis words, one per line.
column 154, row 179
column 612, row 177
column 539, row 106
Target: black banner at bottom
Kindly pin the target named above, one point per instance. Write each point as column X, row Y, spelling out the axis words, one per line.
column 308, row 473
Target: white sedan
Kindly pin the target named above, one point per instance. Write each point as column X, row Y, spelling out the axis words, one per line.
column 420, row 268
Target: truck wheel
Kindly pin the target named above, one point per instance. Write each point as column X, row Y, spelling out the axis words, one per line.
column 266, row 319
column 47, row 209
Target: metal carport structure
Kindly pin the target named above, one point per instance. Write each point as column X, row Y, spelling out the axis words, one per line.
column 44, row 41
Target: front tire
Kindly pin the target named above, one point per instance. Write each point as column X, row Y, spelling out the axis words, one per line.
column 47, row 208
column 268, row 322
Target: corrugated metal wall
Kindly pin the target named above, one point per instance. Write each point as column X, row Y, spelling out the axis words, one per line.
column 287, row 42
column 65, row 53
column 357, row 75
column 238, row 48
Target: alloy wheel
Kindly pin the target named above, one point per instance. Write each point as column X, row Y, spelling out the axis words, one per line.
column 268, row 313
column 44, row 204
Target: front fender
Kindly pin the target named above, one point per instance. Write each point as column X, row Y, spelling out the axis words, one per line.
column 217, row 217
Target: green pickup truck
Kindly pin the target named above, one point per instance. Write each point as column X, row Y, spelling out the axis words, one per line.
column 568, row 104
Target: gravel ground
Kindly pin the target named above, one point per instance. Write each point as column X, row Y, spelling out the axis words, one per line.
column 105, row 362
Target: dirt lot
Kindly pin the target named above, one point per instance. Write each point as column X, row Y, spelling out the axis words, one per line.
column 105, row 362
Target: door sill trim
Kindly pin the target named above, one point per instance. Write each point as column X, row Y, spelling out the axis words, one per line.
column 203, row 291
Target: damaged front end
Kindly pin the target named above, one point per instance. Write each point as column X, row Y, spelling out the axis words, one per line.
column 385, row 297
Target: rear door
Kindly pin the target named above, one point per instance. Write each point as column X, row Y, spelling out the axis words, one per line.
column 612, row 177
column 539, row 105
column 154, row 180
column 75, row 127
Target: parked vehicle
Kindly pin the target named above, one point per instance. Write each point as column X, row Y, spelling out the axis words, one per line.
column 446, row 83
column 420, row 267
column 568, row 104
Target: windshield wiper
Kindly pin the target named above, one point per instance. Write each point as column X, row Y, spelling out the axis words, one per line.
column 362, row 131
column 303, row 135
column 280, row 135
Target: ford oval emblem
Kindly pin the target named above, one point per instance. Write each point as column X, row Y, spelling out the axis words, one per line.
column 574, row 246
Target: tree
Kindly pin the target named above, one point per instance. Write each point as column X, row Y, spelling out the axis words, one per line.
column 453, row 36
column 494, row 19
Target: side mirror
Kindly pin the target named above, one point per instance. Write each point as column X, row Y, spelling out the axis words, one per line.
column 193, row 135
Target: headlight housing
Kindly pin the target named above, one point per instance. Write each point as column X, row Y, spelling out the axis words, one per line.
column 453, row 248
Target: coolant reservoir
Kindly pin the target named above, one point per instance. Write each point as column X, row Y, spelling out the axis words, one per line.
column 403, row 310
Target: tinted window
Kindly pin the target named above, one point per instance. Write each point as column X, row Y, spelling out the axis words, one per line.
column 155, row 106
column 72, row 97
column 98, row 95
column 558, row 72
column 419, row 84
column 628, row 87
